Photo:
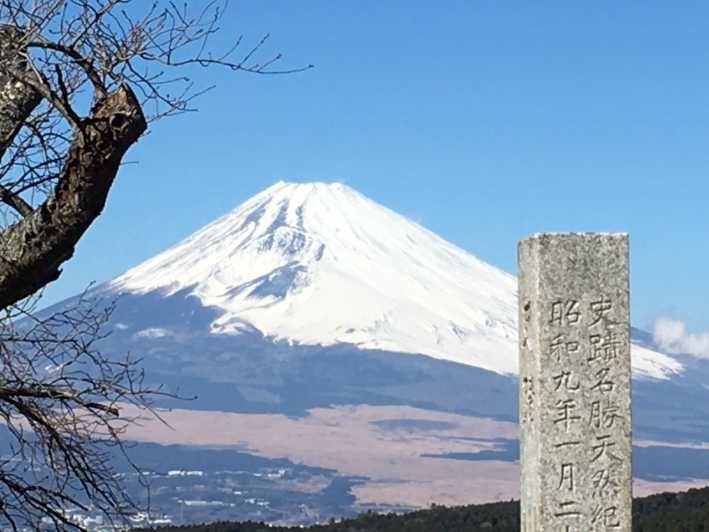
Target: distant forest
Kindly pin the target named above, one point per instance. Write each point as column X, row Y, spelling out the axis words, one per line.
column 667, row 512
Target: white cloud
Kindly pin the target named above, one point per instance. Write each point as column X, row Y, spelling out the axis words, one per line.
column 671, row 336
column 152, row 332
column 668, row 332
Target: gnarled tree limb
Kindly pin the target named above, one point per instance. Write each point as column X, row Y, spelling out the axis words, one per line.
column 33, row 249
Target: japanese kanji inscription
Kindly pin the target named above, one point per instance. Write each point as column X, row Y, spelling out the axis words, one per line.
column 575, row 349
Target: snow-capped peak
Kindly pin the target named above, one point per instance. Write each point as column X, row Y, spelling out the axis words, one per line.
column 320, row 263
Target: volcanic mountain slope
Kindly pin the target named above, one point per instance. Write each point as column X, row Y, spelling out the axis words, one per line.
column 320, row 264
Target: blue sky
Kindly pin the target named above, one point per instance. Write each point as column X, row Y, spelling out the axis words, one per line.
column 483, row 120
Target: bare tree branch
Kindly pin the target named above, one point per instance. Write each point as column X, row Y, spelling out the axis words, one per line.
column 17, row 101
column 15, row 201
column 60, row 400
column 80, row 81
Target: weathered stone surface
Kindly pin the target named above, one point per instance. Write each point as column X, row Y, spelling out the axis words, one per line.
column 575, row 382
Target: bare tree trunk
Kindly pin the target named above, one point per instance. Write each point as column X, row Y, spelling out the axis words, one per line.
column 33, row 249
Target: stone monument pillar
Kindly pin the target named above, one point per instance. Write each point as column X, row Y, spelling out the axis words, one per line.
column 574, row 375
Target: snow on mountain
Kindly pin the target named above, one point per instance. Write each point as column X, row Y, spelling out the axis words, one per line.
column 320, row 264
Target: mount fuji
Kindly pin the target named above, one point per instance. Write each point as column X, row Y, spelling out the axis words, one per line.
column 320, row 264
column 316, row 314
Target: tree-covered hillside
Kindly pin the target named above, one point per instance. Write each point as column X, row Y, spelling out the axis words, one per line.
column 675, row 512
